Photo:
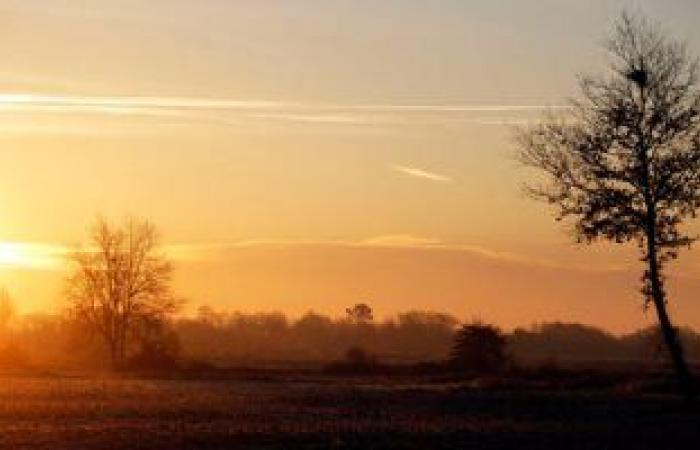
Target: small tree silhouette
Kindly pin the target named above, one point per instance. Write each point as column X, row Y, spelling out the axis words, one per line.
column 479, row 348
column 360, row 314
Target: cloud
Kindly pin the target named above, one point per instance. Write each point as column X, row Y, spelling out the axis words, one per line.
column 228, row 104
column 234, row 112
column 400, row 240
column 131, row 103
column 459, row 108
column 53, row 257
column 505, row 121
column 312, row 118
column 420, row 173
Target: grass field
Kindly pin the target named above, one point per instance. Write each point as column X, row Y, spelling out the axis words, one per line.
column 326, row 412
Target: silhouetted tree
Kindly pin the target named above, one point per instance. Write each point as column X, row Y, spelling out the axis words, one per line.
column 120, row 285
column 479, row 348
column 625, row 163
column 360, row 314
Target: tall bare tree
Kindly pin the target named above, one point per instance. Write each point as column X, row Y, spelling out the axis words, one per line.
column 120, row 285
column 624, row 162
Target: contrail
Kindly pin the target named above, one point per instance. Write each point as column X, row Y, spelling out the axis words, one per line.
column 420, row 173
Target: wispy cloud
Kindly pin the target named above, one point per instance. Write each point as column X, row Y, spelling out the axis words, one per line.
column 504, row 121
column 214, row 103
column 458, row 108
column 313, row 118
column 10, row 99
column 399, row 242
column 232, row 111
column 53, row 257
column 420, row 173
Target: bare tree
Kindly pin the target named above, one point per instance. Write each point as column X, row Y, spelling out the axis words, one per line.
column 120, row 285
column 624, row 163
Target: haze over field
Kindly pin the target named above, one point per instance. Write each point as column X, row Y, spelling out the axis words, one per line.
column 308, row 155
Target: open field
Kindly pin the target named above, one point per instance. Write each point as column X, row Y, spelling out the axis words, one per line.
column 325, row 412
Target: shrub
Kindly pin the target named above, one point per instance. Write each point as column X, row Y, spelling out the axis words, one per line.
column 479, row 348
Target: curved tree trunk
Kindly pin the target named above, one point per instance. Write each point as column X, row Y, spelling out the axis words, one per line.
column 669, row 333
column 653, row 275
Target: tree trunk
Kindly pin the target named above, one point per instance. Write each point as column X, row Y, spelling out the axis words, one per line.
column 671, row 338
column 658, row 294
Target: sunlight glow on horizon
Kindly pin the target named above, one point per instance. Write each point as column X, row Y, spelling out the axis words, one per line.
column 21, row 255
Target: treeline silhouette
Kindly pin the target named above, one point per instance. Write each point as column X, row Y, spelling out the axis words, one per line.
column 573, row 343
column 267, row 340
column 239, row 337
column 414, row 336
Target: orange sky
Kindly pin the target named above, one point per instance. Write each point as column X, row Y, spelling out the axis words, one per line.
column 310, row 154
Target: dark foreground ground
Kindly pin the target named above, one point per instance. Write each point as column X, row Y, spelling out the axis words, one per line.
column 278, row 413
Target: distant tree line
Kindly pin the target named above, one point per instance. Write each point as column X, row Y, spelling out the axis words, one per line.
column 228, row 339
column 573, row 343
column 413, row 336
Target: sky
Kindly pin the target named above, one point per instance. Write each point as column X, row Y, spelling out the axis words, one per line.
column 306, row 155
